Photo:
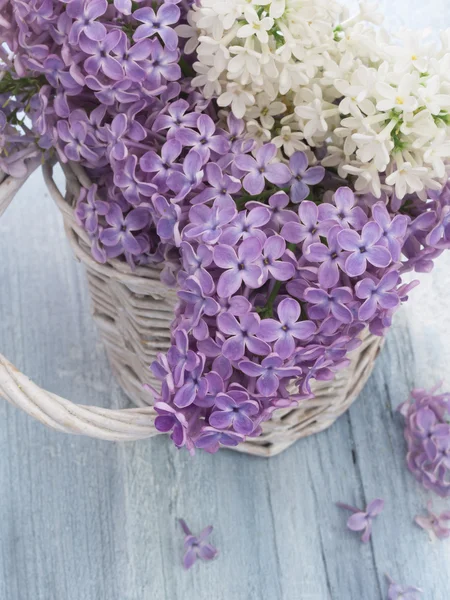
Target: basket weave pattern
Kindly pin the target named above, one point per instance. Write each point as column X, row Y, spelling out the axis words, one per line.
column 134, row 311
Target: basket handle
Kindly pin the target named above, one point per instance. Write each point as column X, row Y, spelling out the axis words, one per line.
column 116, row 425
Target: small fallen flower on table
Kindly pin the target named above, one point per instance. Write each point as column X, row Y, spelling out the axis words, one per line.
column 402, row 592
column 197, row 546
column 439, row 525
column 362, row 520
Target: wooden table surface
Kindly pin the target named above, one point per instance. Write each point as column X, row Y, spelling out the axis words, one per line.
column 90, row 520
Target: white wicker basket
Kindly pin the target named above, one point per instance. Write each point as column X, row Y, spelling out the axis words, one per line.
column 133, row 311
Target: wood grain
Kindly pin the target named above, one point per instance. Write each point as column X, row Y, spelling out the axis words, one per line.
column 89, row 520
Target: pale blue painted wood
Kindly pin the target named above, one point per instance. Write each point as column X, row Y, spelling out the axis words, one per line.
column 88, row 520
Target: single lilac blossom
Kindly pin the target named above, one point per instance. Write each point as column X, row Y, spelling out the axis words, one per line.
column 100, row 55
column 211, row 439
column 170, row 419
column 377, row 294
column 195, row 384
column 364, row 248
column 344, row 210
column 162, row 166
column 310, row 227
column 206, row 224
column 133, row 59
column 132, row 188
column 89, row 208
column 85, row 13
column 330, row 256
column 159, row 23
column 121, row 230
column 274, row 248
column 234, row 409
column 162, row 66
column 302, row 177
column 197, row 546
column 262, row 167
column 268, row 373
column 195, row 296
column 205, row 140
column 334, row 302
column 196, row 263
column 362, row 520
column 402, row 592
column 243, row 334
column 239, row 268
column 246, row 224
column 177, row 117
column 221, row 187
column 288, row 329
column 180, row 358
column 439, row 525
column 393, row 231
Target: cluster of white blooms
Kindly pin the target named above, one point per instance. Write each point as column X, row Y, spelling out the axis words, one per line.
column 304, row 75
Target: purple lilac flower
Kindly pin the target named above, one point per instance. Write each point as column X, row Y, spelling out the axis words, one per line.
column 197, row 546
column 393, row 231
column 195, row 384
column 177, row 117
column 440, row 234
column 162, row 66
column 331, row 258
column 262, row 167
column 196, row 263
column 239, row 268
column 159, row 23
column 180, row 358
column 75, row 136
column 362, row 520
column 302, row 177
column 334, row 302
column 221, row 187
column 162, row 166
column 234, row 409
column 85, row 13
column 182, row 182
column 100, row 57
column 363, row 248
column 246, row 224
column 310, row 227
column 439, row 525
column 377, row 294
column 133, row 59
column 195, row 296
column 427, row 434
column 206, row 224
column 268, row 373
column 89, row 209
column 210, row 439
column 288, row 329
column 170, row 419
column 167, row 215
column 344, row 210
column 125, row 178
column 402, row 592
column 243, row 334
column 121, row 230
column 205, row 140
column 274, row 248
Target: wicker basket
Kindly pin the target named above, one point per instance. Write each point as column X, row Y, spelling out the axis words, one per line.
column 133, row 311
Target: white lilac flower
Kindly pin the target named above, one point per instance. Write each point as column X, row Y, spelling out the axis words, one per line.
column 305, row 75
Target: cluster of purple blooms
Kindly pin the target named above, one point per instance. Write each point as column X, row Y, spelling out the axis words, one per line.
column 427, row 433
column 279, row 265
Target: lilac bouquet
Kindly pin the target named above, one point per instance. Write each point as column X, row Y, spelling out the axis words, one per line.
column 283, row 162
